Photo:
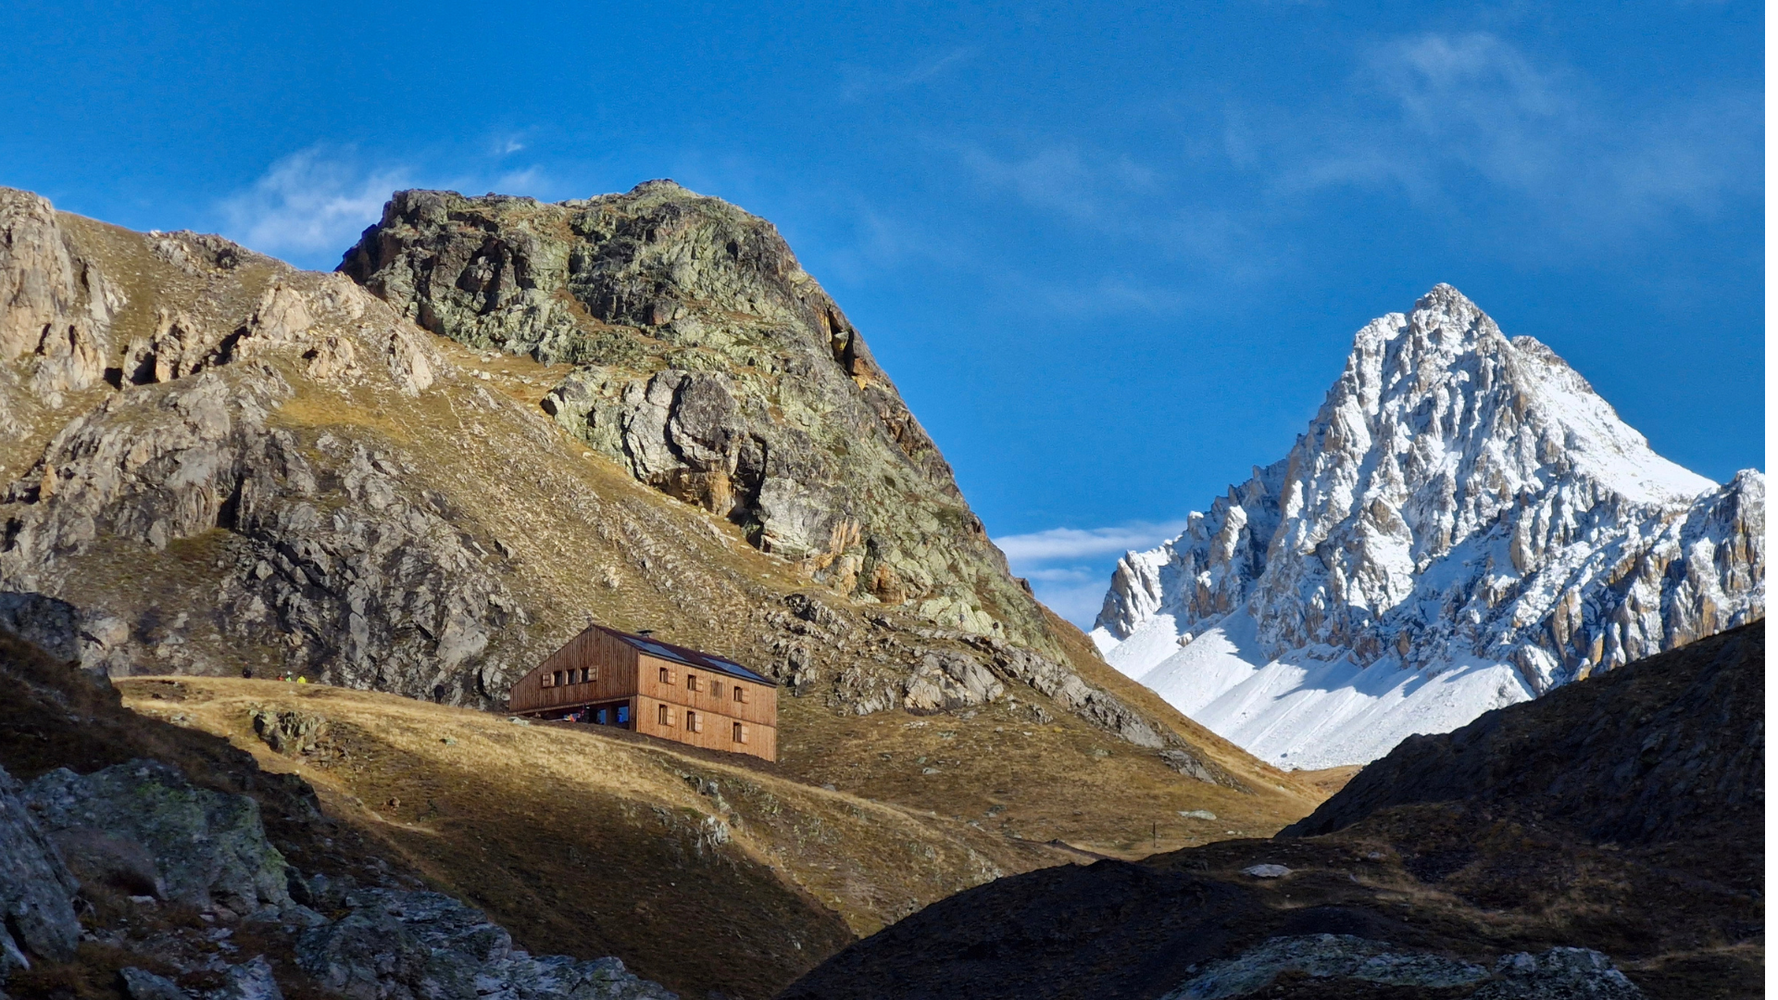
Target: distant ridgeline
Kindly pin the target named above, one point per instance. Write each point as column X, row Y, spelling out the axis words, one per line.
column 1465, row 524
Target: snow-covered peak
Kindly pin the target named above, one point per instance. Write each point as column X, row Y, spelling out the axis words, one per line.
column 1460, row 497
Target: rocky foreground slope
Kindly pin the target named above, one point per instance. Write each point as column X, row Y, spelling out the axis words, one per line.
column 170, row 867
column 1604, row 841
column 1465, row 524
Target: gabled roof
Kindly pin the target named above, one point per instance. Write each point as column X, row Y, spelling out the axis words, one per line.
column 690, row 657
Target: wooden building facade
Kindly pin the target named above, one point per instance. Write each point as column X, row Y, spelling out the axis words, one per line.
column 636, row 682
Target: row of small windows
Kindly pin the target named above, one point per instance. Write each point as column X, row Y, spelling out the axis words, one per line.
column 587, row 675
column 694, row 683
column 694, row 723
column 581, row 675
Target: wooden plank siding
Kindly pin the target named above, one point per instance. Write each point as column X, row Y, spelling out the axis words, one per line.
column 612, row 661
column 621, row 672
column 714, row 702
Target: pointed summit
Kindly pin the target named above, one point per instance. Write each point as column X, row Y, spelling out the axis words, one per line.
column 1465, row 524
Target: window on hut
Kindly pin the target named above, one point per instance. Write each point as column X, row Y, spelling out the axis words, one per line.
column 740, row 695
column 623, row 715
column 666, row 678
column 740, row 733
column 666, row 718
column 691, row 682
column 692, row 723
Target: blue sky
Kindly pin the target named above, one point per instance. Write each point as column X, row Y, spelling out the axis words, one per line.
column 1113, row 254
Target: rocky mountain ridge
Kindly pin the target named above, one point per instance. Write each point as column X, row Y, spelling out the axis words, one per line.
column 230, row 466
column 1464, row 506
column 714, row 368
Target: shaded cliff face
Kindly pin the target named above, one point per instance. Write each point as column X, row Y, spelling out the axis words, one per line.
column 715, row 369
column 1671, row 748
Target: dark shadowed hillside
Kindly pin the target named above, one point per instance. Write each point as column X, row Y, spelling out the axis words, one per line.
column 1622, row 814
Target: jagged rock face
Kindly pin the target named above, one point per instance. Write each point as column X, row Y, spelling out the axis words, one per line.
column 716, row 370
column 328, row 563
column 1460, row 497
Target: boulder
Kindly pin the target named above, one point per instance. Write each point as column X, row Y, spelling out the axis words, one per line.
column 1558, row 974
column 140, row 984
column 36, row 889
column 250, row 980
column 208, row 847
column 401, row 945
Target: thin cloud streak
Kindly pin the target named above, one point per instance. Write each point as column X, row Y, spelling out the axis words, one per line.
column 1070, row 568
column 1077, row 543
column 863, row 81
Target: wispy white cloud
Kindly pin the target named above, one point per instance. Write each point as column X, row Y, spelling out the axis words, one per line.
column 1432, row 115
column 1076, row 543
column 1094, row 188
column 1070, row 568
column 312, row 201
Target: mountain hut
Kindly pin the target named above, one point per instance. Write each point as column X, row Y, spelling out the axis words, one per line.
column 636, row 682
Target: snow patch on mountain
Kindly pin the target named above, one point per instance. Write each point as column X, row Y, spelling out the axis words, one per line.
column 1465, row 524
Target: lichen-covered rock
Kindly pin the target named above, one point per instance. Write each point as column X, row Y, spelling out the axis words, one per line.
column 36, row 889
column 209, row 847
column 288, row 731
column 400, row 945
column 1558, row 974
column 716, row 370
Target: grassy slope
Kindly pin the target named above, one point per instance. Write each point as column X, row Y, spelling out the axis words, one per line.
column 586, row 844
column 580, row 538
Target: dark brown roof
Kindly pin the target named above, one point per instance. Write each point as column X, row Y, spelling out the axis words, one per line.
column 689, row 657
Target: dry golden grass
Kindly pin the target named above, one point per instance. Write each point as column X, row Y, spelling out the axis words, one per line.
column 586, row 844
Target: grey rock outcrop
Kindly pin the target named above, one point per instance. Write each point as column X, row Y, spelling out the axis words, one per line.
column 380, row 590
column 140, row 984
column 1557, row 974
column 1327, row 956
column 250, row 980
column 401, row 945
column 714, row 368
column 207, row 848
column 36, row 889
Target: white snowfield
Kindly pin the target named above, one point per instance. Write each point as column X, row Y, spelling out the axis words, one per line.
column 1465, row 525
